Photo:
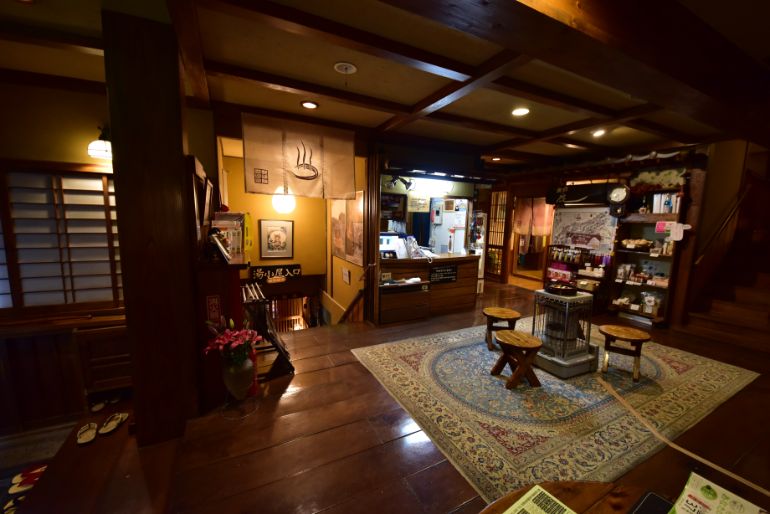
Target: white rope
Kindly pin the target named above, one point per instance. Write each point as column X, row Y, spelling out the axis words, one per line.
column 675, row 446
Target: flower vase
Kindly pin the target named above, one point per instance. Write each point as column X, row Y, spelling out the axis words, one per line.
column 238, row 378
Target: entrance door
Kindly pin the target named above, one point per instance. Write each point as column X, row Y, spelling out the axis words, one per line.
column 532, row 221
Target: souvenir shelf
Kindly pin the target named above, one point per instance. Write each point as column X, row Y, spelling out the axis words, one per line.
column 643, row 264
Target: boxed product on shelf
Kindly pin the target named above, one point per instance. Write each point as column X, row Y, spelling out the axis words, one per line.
column 230, row 224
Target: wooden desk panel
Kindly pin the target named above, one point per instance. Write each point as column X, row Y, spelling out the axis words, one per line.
column 442, row 296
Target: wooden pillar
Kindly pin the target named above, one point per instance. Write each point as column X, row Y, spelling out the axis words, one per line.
column 154, row 203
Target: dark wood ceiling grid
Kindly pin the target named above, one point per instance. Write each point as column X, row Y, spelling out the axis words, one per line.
column 598, row 60
column 662, row 62
column 51, row 38
column 301, row 23
column 493, row 68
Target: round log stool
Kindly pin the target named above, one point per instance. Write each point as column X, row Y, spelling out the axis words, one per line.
column 499, row 314
column 633, row 336
column 519, row 350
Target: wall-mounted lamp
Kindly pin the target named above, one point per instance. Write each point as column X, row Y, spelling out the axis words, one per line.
column 283, row 201
column 101, row 148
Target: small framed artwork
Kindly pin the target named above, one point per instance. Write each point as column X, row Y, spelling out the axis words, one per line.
column 276, row 239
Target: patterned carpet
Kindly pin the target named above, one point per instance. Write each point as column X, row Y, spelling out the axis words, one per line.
column 570, row 429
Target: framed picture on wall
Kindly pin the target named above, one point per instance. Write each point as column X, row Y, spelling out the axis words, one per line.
column 276, row 239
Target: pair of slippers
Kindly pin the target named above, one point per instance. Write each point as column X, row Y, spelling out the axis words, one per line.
column 13, row 504
column 87, row 432
column 25, row 480
column 96, row 407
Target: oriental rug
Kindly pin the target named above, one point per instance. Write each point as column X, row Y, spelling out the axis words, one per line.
column 571, row 429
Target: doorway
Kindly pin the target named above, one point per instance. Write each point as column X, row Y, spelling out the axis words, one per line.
column 532, row 221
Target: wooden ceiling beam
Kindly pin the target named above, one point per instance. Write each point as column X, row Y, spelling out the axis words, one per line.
column 687, row 67
column 293, row 86
column 51, row 38
column 184, row 18
column 484, row 126
column 521, row 156
column 491, row 69
column 299, row 87
column 302, row 23
column 545, row 96
column 662, row 131
column 28, row 78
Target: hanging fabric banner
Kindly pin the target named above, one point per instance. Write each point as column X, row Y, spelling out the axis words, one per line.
column 309, row 160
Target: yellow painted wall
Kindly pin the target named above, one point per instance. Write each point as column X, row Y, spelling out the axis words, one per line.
column 341, row 293
column 310, row 239
column 42, row 124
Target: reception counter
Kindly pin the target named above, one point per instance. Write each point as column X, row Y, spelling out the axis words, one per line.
column 417, row 288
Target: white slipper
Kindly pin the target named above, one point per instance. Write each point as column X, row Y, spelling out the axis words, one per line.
column 113, row 422
column 87, row 433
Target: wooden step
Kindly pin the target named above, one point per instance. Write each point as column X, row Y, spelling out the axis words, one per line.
column 727, row 331
column 748, row 314
column 763, row 281
column 754, row 294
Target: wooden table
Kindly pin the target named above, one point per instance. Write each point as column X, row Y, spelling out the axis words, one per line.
column 633, row 336
column 519, row 350
column 499, row 314
column 594, row 497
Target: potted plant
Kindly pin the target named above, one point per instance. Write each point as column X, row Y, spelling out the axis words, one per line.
column 236, row 348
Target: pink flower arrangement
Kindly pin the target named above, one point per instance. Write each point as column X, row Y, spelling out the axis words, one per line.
column 234, row 345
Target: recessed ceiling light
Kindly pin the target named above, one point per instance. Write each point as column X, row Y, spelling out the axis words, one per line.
column 574, row 147
column 598, row 132
column 520, row 111
column 307, row 104
column 346, row 68
column 495, row 158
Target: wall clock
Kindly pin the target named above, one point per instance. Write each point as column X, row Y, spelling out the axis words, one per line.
column 618, row 194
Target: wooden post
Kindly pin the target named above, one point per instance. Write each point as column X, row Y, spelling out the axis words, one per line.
column 154, row 204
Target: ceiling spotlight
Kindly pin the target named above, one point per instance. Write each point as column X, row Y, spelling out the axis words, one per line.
column 520, row 111
column 572, row 146
column 307, row 104
column 598, row 132
column 346, row 68
column 495, row 158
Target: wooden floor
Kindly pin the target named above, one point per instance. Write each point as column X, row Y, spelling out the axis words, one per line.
column 330, row 439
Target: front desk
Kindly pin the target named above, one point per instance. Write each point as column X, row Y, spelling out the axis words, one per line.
column 445, row 284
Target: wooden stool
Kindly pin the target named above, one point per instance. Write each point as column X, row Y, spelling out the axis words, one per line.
column 519, row 350
column 634, row 336
column 495, row 314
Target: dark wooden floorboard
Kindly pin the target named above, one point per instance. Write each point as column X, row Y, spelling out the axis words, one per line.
column 327, row 485
column 330, row 439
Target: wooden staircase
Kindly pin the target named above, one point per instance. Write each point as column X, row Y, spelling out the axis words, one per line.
column 735, row 309
column 743, row 321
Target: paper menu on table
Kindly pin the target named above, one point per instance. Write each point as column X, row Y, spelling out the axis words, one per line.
column 538, row 501
column 701, row 496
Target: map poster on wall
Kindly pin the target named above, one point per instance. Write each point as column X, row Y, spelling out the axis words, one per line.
column 584, row 227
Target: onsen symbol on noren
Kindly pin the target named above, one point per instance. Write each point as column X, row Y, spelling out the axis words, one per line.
column 305, row 168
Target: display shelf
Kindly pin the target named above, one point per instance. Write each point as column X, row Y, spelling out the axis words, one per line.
column 567, row 263
column 643, row 254
column 639, row 284
column 637, row 217
column 617, row 308
column 632, row 267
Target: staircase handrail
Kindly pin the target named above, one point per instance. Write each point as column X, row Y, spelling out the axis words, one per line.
column 726, row 220
column 358, row 298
